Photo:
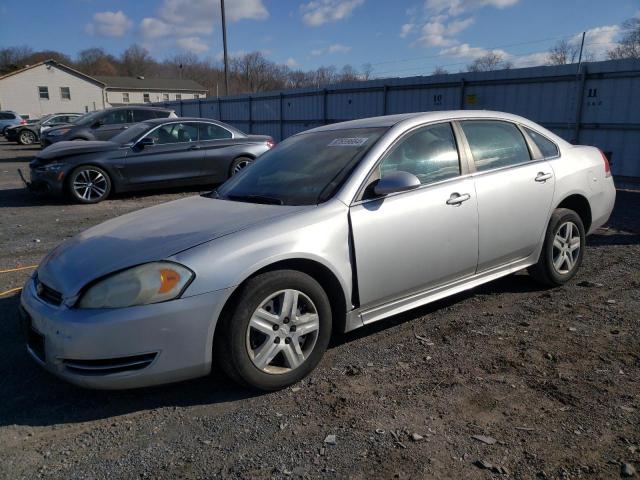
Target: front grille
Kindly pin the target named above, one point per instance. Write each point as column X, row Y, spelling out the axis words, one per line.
column 48, row 294
column 107, row 366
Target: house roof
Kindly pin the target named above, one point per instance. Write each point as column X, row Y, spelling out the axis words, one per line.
column 59, row 65
column 136, row 83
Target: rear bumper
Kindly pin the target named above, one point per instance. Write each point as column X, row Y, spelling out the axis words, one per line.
column 602, row 204
column 126, row 347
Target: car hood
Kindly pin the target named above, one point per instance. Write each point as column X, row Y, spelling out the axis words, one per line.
column 76, row 147
column 147, row 235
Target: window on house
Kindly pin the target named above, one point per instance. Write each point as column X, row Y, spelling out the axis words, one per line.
column 145, row 97
column 65, row 93
column 125, row 97
column 165, row 97
column 43, row 92
column 178, row 96
column 196, row 95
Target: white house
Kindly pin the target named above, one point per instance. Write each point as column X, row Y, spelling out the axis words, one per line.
column 51, row 87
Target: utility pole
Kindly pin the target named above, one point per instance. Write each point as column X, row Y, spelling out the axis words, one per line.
column 581, row 47
column 224, row 45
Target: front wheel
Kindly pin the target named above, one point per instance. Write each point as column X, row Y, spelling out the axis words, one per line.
column 563, row 249
column 27, row 137
column 89, row 184
column 278, row 331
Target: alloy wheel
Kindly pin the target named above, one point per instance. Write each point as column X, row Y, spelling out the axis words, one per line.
column 90, row 184
column 27, row 137
column 566, row 248
column 282, row 332
column 240, row 165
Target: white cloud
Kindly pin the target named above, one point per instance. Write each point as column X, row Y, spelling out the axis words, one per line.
column 335, row 48
column 109, row 24
column 291, row 62
column 598, row 41
column 464, row 50
column 457, row 7
column 189, row 21
column 192, row 44
column 406, row 29
column 439, row 34
column 531, row 60
column 319, row 12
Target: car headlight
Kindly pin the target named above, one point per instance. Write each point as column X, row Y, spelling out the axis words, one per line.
column 57, row 133
column 148, row 283
column 52, row 167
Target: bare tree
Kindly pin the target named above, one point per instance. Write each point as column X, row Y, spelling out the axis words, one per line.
column 365, row 71
column 489, row 61
column 13, row 58
column 439, row 71
column 629, row 46
column 136, row 61
column 95, row 61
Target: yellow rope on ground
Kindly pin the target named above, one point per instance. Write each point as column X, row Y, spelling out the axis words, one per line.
column 18, row 269
column 11, row 290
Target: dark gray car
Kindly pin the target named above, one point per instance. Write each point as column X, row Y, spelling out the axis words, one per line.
column 103, row 124
column 155, row 153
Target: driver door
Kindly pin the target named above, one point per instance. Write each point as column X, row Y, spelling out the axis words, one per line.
column 175, row 156
column 420, row 239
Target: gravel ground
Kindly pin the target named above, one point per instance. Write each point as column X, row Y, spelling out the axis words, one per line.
column 505, row 381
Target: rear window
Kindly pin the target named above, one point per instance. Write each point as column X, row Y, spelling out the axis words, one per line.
column 162, row 113
column 7, row 116
column 547, row 147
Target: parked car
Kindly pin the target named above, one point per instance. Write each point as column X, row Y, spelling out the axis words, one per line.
column 151, row 154
column 9, row 118
column 30, row 133
column 333, row 229
column 103, row 124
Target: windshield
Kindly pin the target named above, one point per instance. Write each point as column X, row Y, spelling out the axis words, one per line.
column 305, row 169
column 88, row 118
column 132, row 133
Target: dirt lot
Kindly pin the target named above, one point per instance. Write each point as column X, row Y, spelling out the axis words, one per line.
column 551, row 377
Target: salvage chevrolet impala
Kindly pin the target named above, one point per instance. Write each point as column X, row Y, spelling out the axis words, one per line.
column 335, row 228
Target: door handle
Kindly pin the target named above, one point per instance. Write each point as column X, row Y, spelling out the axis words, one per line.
column 194, row 147
column 457, row 199
column 543, row 177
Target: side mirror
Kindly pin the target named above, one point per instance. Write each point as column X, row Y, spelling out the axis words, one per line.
column 145, row 142
column 396, row 182
column 97, row 124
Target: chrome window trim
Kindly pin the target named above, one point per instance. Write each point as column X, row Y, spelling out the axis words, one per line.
column 216, row 139
column 177, row 120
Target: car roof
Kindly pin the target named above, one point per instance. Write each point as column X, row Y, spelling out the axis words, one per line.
column 137, row 107
column 424, row 117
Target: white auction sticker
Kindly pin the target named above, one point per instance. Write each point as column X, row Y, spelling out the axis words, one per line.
column 348, row 142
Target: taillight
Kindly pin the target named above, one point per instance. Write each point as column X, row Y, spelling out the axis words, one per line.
column 271, row 143
column 23, row 122
column 607, row 168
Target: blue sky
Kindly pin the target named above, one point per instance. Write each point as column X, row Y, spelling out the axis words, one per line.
column 398, row 37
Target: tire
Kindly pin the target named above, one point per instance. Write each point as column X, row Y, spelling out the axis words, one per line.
column 26, row 137
column 563, row 244
column 89, row 184
column 264, row 358
column 238, row 164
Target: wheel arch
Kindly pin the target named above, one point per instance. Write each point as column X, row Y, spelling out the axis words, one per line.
column 579, row 204
column 316, row 270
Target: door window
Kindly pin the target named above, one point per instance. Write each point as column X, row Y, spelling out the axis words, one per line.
column 210, row 131
column 117, row 117
column 547, row 148
column 175, row 133
column 495, row 144
column 142, row 115
column 429, row 153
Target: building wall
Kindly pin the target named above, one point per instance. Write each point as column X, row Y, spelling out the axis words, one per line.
column 114, row 97
column 19, row 92
column 597, row 107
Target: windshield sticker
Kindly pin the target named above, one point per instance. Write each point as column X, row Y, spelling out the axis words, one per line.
column 348, row 142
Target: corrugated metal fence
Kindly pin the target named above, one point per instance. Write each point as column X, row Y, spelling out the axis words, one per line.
column 598, row 106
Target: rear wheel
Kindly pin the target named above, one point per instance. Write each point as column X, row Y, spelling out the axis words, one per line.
column 278, row 331
column 27, row 137
column 239, row 164
column 89, row 184
column 563, row 249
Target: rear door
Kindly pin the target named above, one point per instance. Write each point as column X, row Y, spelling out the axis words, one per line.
column 514, row 192
column 175, row 156
column 215, row 142
column 417, row 240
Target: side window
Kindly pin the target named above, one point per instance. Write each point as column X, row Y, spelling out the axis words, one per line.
column 142, row 115
column 210, row 131
column 429, row 153
column 162, row 113
column 495, row 144
column 114, row 118
column 175, row 133
column 43, row 93
column 146, row 98
column 546, row 146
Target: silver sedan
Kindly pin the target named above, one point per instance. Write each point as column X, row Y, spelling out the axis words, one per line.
column 333, row 229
